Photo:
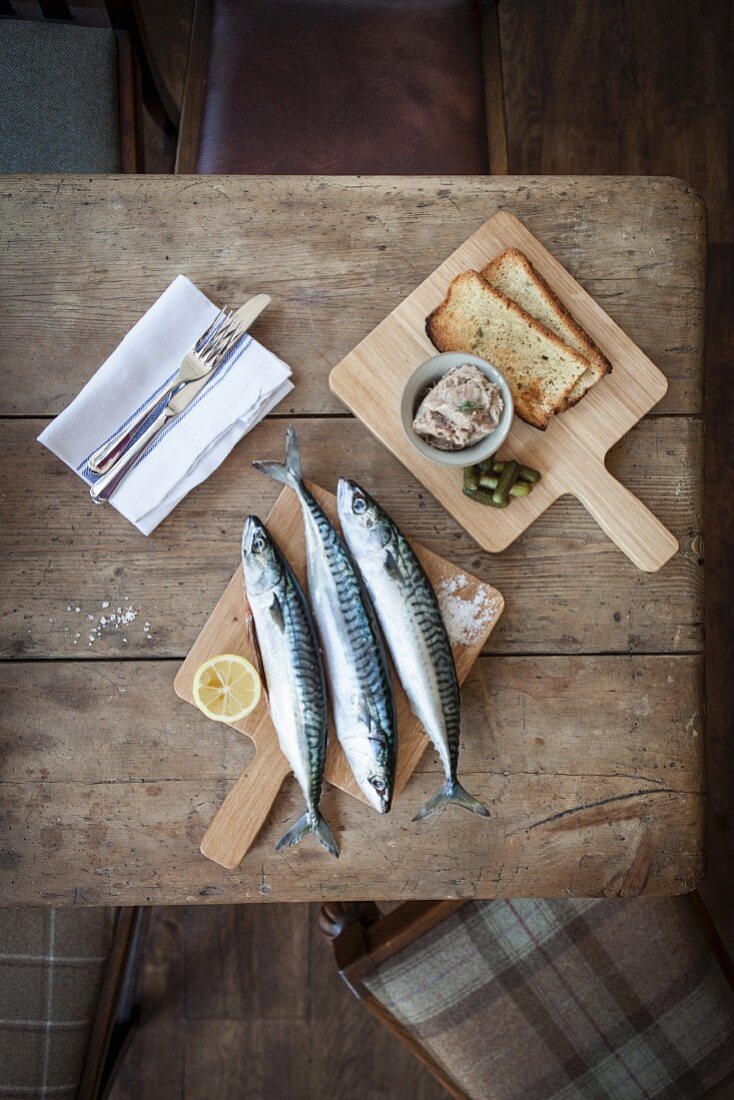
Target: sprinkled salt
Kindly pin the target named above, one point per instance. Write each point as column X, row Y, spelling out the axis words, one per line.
column 466, row 617
column 105, row 623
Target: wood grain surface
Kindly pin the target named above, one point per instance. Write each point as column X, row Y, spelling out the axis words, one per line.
column 569, row 587
column 85, row 257
column 570, row 454
column 241, row 816
column 108, row 786
column 583, row 716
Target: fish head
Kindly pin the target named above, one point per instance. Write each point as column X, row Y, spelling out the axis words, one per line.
column 372, row 764
column 260, row 558
column 366, row 527
column 378, row 791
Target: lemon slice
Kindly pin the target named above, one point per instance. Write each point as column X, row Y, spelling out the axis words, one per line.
column 226, row 688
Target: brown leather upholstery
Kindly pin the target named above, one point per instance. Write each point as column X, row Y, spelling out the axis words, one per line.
column 344, row 86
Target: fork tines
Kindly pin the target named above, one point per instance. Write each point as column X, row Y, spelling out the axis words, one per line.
column 219, row 339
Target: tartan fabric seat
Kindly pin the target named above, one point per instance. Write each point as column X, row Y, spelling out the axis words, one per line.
column 563, row 1000
column 52, row 962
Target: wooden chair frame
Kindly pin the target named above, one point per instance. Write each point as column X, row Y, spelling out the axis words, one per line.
column 117, row 1013
column 362, row 938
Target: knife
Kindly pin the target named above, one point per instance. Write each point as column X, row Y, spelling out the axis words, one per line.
column 106, row 485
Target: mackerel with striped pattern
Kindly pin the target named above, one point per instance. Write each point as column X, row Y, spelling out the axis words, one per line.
column 356, row 664
column 409, row 614
column 294, row 672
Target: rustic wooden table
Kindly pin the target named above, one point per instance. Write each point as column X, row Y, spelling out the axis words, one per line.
column 584, row 727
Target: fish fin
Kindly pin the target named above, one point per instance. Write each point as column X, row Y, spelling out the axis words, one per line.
column 322, row 832
column 289, row 472
column 309, row 823
column 392, row 568
column 276, row 613
column 292, row 453
column 452, row 792
column 296, row 832
column 253, row 646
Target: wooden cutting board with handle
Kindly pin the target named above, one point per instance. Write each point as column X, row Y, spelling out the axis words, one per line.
column 570, row 454
column 246, row 807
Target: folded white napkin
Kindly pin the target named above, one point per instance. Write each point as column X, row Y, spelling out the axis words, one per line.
column 248, row 384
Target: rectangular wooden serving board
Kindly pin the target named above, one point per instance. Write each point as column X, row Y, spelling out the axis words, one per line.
column 569, row 454
column 246, row 807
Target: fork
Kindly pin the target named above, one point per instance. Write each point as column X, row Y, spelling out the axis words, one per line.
column 215, row 352
column 193, row 365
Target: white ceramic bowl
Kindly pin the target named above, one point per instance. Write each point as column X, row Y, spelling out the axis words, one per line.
column 429, row 373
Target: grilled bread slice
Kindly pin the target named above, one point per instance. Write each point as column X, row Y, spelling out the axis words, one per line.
column 513, row 274
column 540, row 369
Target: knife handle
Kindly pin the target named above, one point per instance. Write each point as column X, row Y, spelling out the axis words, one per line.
column 105, row 486
column 107, row 455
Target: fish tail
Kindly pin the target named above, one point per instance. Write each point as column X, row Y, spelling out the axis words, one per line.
column 322, row 832
column 452, row 791
column 309, row 822
column 289, row 472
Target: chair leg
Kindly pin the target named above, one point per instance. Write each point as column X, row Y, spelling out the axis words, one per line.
column 117, row 1014
column 335, row 916
column 494, row 96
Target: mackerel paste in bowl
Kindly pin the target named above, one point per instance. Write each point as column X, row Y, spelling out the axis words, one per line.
column 437, row 427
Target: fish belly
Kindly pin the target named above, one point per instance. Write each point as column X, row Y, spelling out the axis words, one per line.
column 414, row 646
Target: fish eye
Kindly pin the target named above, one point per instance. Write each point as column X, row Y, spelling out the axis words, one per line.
column 360, row 506
column 258, row 544
column 379, row 784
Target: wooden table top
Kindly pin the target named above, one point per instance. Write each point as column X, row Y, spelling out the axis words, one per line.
column 583, row 720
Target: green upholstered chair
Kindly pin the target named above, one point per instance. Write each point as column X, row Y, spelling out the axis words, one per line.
column 543, row 1000
column 72, row 87
column 58, row 98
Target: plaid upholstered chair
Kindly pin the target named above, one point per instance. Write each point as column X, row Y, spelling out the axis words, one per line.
column 543, row 1000
column 67, row 1008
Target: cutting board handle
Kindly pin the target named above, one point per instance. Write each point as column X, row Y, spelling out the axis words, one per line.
column 245, row 809
column 627, row 521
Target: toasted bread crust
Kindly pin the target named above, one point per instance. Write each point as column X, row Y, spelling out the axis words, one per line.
column 599, row 365
column 531, row 404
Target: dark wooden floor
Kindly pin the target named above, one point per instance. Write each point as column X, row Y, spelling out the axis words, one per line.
column 244, row 1001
